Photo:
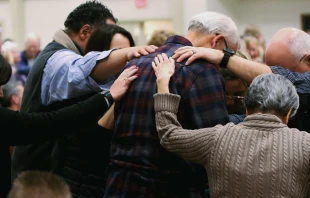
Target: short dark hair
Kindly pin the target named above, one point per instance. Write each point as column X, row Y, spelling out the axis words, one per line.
column 5, row 71
column 101, row 38
column 93, row 13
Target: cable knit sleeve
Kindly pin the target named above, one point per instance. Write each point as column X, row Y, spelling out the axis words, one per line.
column 192, row 145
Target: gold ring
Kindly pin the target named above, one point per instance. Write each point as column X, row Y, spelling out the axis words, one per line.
column 125, row 79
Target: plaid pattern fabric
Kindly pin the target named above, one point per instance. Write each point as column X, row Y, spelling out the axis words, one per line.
column 139, row 166
column 300, row 80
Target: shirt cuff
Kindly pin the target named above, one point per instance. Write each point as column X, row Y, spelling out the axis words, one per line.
column 166, row 102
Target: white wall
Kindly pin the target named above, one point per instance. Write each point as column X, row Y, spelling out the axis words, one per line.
column 6, row 20
column 271, row 15
column 45, row 17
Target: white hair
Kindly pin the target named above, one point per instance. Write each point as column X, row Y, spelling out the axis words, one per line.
column 299, row 44
column 215, row 23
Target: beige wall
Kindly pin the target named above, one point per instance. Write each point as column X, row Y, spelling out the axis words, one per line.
column 46, row 16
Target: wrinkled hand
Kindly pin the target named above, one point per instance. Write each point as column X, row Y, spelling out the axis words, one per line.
column 121, row 84
column 140, row 50
column 192, row 53
column 163, row 66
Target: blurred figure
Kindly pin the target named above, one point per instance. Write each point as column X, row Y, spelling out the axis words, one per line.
column 13, row 94
column 159, row 37
column 39, row 184
column 32, row 49
column 10, row 52
column 253, row 47
column 254, row 30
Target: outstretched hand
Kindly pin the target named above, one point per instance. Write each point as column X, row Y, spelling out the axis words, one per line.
column 121, row 84
column 164, row 68
column 192, row 53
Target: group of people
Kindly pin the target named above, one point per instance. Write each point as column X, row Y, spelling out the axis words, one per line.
column 152, row 121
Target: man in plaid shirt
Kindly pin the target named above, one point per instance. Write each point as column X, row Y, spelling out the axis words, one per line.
column 139, row 166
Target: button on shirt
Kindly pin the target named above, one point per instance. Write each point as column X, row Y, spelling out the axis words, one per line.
column 66, row 75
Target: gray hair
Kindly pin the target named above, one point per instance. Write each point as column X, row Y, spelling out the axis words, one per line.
column 299, row 44
column 271, row 93
column 10, row 89
column 215, row 23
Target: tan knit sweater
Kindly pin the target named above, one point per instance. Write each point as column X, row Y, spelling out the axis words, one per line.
column 260, row 157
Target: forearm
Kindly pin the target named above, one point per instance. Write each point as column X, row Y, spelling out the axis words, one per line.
column 111, row 65
column 185, row 143
column 107, row 120
column 246, row 69
column 163, row 85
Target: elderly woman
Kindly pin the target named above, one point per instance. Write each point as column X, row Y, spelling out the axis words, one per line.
column 259, row 157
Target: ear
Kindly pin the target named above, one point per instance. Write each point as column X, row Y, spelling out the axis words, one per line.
column 286, row 117
column 247, row 113
column 217, row 41
column 14, row 99
column 85, row 32
column 307, row 59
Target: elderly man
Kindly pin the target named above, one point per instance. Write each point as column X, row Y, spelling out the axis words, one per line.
column 289, row 49
column 139, row 166
column 32, row 49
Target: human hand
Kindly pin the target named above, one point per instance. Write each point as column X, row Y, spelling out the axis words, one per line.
column 121, row 84
column 164, row 68
column 136, row 52
column 192, row 53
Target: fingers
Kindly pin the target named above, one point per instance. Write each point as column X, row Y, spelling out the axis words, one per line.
column 165, row 58
column 156, row 60
column 171, row 60
column 128, row 72
column 160, row 58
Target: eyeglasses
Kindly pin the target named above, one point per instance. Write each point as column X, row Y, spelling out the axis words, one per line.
column 235, row 98
column 300, row 62
column 226, row 46
column 302, row 58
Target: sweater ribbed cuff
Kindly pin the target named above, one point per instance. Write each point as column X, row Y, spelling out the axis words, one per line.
column 166, row 102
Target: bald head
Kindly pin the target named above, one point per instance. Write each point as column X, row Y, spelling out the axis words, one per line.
column 286, row 48
column 32, row 45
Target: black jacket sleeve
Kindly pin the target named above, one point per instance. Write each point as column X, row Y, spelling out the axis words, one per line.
column 27, row 128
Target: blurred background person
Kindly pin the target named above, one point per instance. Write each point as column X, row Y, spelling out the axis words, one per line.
column 13, row 94
column 254, row 30
column 12, row 98
column 10, row 52
column 159, row 37
column 28, row 55
column 254, row 48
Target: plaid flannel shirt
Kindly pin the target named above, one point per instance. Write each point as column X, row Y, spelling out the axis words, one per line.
column 139, row 166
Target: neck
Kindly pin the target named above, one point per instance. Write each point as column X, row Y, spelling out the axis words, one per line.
column 198, row 39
